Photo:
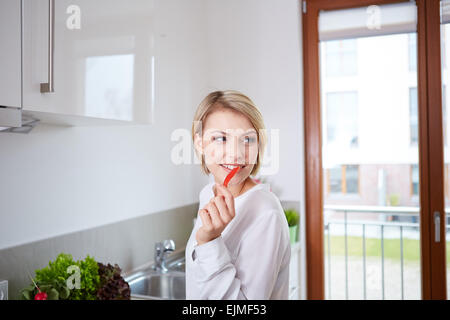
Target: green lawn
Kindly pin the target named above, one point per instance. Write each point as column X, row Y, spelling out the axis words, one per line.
column 411, row 248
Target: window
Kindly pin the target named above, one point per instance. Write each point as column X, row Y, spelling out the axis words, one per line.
column 335, row 180
column 343, row 179
column 443, row 49
column 342, row 118
column 412, row 51
column 446, row 189
column 444, row 112
column 415, row 179
column 341, row 58
column 351, row 178
column 413, row 116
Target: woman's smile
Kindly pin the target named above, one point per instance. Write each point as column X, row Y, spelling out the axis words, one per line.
column 229, row 168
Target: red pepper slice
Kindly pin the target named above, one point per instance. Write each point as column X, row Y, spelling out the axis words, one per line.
column 230, row 175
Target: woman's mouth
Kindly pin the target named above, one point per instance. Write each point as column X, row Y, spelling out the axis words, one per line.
column 228, row 168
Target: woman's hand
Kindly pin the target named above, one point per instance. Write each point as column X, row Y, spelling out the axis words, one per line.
column 216, row 215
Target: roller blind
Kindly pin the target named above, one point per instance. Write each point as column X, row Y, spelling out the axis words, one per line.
column 445, row 12
column 368, row 21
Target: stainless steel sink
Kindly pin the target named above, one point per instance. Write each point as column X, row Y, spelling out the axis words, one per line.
column 155, row 285
column 150, row 284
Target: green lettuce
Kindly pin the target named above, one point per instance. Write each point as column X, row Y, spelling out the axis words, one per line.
column 53, row 280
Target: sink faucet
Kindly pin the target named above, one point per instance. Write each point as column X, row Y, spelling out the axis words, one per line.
column 162, row 249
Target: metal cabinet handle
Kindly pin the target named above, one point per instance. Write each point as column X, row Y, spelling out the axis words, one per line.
column 437, row 226
column 48, row 86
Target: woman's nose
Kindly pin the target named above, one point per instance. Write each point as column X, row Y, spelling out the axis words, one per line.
column 236, row 151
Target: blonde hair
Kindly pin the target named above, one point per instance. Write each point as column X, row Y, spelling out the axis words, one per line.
column 239, row 102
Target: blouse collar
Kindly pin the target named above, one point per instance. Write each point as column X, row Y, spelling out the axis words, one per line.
column 259, row 186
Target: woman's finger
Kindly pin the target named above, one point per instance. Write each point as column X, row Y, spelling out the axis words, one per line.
column 206, row 219
column 223, row 209
column 229, row 199
column 214, row 214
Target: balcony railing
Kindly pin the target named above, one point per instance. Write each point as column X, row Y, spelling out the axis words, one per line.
column 383, row 213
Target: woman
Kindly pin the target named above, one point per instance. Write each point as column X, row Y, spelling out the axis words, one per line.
column 239, row 248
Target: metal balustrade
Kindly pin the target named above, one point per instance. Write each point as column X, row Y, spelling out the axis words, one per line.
column 383, row 212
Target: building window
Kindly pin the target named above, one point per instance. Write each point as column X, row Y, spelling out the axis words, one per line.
column 412, row 51
column 443, row 57
column 415, row 180
column 341, row 58
column 444, row 112
column 351, row 178
column 343, row 179
column 413, row 116
column 342, row 118
column 446, row 182
column 335, row 180
column 446, row 189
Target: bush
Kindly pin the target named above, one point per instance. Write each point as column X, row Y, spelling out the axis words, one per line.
column 292, row 217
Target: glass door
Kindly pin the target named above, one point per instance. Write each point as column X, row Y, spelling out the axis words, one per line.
column 445, row 56
column 377, row 165
column 370, row 155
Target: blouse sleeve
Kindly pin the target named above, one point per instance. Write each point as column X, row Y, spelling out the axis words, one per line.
column 256, row 268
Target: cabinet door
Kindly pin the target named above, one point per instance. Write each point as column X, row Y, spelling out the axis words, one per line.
column 102, row 58
column 10, row 53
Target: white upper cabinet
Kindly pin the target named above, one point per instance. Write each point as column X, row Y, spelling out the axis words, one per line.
column 94, row 60
column 10, row 54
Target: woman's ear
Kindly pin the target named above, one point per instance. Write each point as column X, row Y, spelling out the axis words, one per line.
column 198, row 144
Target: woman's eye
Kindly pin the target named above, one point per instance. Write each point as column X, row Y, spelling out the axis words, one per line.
column 223, row 139
column 250, row 139
column 218, row 138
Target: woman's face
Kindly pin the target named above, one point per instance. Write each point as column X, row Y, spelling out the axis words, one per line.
column 229, row 138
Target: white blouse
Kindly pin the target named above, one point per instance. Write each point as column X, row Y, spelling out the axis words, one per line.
column 250, row 260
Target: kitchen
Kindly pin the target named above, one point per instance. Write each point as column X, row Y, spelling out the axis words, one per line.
column 94, row 173
column 97, row 105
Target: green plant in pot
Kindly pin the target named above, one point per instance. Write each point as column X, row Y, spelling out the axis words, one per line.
column 293, row 218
